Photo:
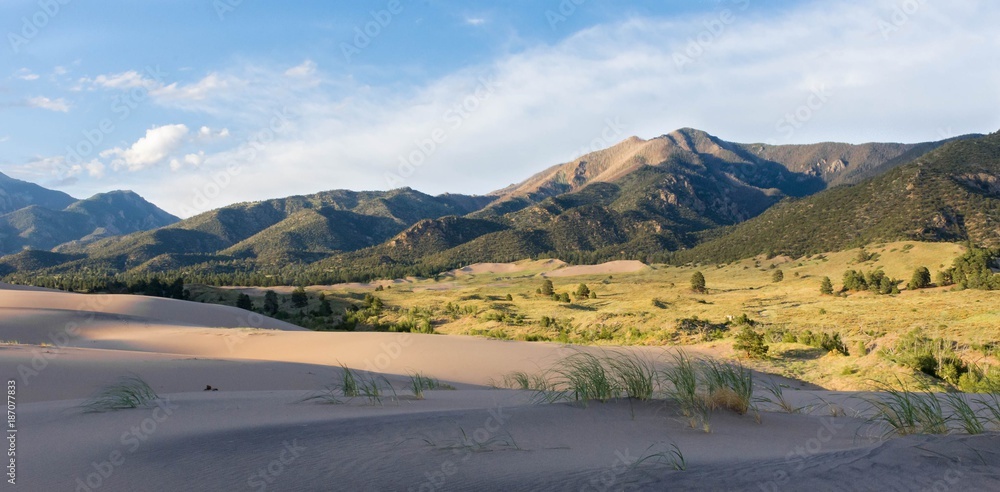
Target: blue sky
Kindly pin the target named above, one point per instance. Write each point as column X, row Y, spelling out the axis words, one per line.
column 198, row 104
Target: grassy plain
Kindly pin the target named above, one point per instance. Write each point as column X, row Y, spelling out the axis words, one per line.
column 645, row 307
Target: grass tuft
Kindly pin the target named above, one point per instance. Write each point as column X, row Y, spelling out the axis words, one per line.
column 635, row 375
column 419, row 383
column 778, row 399
column 672, row 457
column 348, row 382
column 730, row 385
column 352, row 385
column 683, row 377
column 127, row 392
column 964, row 414
column 903, row 412
column 990, row 402
column 586, row 378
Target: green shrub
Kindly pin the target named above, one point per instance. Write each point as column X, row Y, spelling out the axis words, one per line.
column 751, row 343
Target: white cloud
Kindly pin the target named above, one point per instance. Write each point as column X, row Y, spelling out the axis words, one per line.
column 475, row 21
column 58, row 104
column 58, row 169
column 4, row 138
column 120, row 81
column 152, row 149
column 189, row 160
column 25, row 74
column 306, row 69
column 207, row 133
column 94, row 168
column 211, row 85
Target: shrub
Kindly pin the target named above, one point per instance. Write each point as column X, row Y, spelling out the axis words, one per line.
column 932, row 357
column 751, row 343
column 777, row 276
column 706, row 330
column 832, row 343
column 547, row 289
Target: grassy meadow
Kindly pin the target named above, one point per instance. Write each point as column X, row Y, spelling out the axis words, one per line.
column 657, row 306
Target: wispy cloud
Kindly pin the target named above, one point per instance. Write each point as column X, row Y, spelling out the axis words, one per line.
column 475, row 21
column 306, row 69
column 120, row 81
column 42, row 102
column 25, row 74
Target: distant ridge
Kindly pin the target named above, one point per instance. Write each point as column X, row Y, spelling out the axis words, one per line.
column 685, row 194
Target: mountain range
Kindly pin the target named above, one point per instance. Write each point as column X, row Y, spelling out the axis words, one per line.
column 683, row 196
column 36, row 218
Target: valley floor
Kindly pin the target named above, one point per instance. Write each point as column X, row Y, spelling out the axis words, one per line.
column 255, row 432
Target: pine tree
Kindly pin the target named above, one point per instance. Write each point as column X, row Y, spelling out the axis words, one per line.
column 582, row 291
column 698, row 282
column 299, row 297
column 270, row 302
column 826, row 286
column 778, row 276
column 243, row 302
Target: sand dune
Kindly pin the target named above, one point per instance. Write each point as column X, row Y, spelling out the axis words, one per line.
column 485, row 268
column 256, row 434
column 611, row 267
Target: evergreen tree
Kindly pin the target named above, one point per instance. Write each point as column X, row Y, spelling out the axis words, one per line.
column 778, row 276
column 325, row 309
column 698, row 282
column 299, row 297
column 921, row 279
column 582, row 291
column 270, row 302
column 243, row 302
column 826, row 286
